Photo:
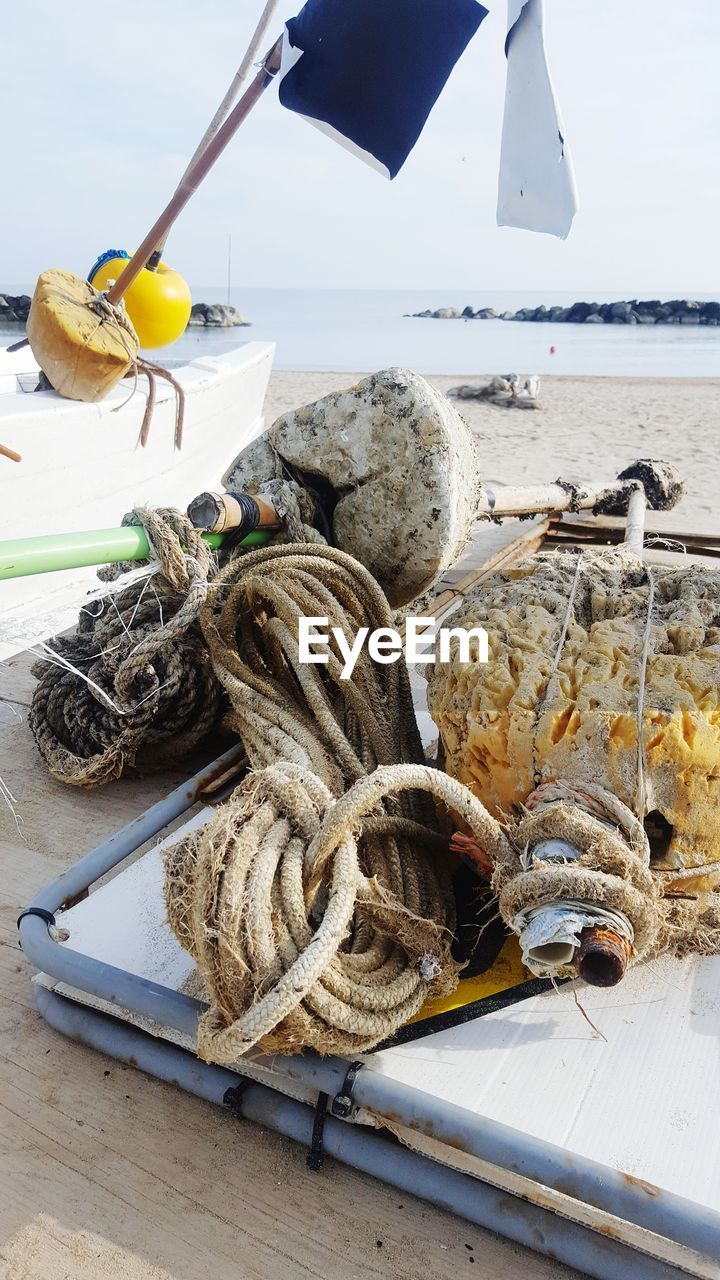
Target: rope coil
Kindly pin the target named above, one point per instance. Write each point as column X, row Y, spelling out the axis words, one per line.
column 319, row 916
column 134, row 684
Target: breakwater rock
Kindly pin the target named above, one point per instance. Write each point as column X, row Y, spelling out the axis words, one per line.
column 212, row 315
column 14, row 309
column 215, row 315
column 679, row 311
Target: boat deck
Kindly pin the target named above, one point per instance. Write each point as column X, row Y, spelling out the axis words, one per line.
column 107, row 1172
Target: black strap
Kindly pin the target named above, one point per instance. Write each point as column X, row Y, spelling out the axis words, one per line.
column 40, row 912
column 342, row 1103
column 233, row 1098
column 316, row 1155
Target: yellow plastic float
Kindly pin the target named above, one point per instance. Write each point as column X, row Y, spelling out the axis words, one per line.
column 158, row 301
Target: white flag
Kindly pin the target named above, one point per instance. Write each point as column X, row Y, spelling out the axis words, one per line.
column 536, row 189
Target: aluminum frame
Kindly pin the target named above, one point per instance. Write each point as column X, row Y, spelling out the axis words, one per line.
column 673, row 1217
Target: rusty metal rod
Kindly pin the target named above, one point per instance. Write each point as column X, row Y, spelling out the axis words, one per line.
column 602, row 957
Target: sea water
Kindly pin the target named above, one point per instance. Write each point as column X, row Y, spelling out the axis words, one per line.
column 361, row 330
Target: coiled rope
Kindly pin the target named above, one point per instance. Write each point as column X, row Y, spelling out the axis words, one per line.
column 134, row 684
column 317, row 919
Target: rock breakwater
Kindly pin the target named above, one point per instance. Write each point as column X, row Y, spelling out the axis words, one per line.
column 14, row 309
column 678, row 311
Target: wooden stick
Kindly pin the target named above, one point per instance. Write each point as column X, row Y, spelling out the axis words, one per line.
column 159, row 231
column 10, row 453
column 250, row 55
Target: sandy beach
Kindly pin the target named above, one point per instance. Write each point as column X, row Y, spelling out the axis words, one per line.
column 587, row 428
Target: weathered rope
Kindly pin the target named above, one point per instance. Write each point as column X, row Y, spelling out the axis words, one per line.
column 152, row 373
column 134, row 684
column 317, row 919
column 612, row 870
column 116, row 315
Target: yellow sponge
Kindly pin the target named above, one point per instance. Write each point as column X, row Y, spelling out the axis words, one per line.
column 546, row 708
column 82, row 351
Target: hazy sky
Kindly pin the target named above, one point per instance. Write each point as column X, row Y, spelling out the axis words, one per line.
column 103, row 104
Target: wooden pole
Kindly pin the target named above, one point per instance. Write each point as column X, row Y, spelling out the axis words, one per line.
column 160, row 229
column 223, row 110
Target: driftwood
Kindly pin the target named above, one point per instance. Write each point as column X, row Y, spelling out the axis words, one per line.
column 509, row 391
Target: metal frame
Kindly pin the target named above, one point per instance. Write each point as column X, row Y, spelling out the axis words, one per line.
column 353, row 1086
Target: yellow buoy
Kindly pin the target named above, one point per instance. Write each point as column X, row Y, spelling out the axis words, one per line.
column 83, row 346
column 158, row 302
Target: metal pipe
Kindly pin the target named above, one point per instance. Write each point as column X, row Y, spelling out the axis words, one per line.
column 588, row 1181
column 580, row 495
column 602, row 957
column 105, row 981
column 635, row 523
column 489, row 1140
column 533, row 1226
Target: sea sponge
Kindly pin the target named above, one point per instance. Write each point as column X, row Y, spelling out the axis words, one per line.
column 560, row 697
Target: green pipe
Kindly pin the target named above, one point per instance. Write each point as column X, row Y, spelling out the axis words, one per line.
column 25, row 556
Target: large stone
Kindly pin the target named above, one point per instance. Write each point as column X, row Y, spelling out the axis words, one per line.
column 579, row 312
column 619, row 312
column 446, row 313
column 594, row 318
column 215, row 315
column 397, row 470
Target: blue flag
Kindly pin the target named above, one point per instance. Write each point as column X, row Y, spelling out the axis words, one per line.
column 368, row 72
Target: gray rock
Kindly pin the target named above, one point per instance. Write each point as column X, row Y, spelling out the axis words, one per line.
column 404, row 468
column 468, row 313
column 594, row 318
column 486, row 313
column 215, row 315
column 690, row 317
column 644, row 318
column 579, row 312
column 446, row 313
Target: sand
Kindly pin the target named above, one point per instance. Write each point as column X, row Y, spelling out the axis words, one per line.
column 587, row 428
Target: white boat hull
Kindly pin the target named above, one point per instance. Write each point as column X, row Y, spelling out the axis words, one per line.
column 83, row 467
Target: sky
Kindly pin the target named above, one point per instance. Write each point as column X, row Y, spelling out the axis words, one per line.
column 103, row 106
